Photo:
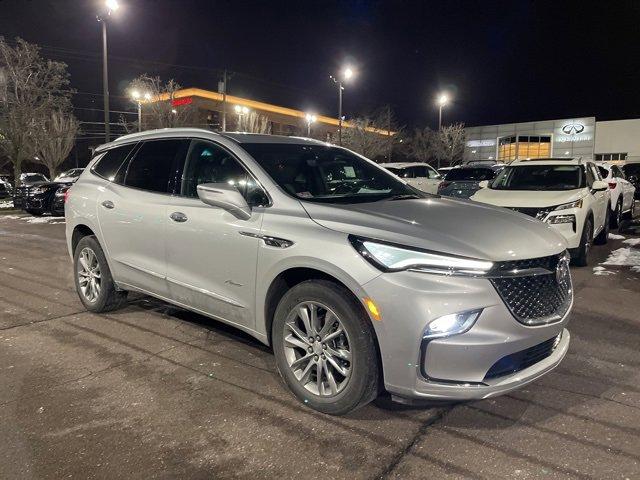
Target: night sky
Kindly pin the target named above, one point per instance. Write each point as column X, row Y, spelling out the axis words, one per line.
column 501, row 61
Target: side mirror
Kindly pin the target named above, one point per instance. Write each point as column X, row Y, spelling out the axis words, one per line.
column 225, row 196
column 600, row 186
column 483, row 184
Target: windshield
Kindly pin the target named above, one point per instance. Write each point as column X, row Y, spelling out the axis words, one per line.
column 33, row 177
column 470, row 174
column 70, row 173
column 540, row 177
column 327, row 174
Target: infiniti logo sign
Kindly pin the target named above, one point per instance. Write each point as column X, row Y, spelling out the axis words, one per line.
column 573, row 128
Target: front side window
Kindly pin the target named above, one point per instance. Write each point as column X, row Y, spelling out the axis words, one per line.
column 111, row 161
column 153, row 165
column 326, row 174
column 401, row 172
column 432, row 174
column 210, row 163
column 540, row 177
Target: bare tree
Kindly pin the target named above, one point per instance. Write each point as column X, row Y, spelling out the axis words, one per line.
column 157, row 99
column 423, row 145
column 254, row 122
column 370, row 136
column 31, row 86
column 54, row 139
column 450, row 145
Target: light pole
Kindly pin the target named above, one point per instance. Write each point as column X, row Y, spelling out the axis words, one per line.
column 110, row 6
column 443, row 100
column 346, row 75
column 311, row 118
column 137, row 97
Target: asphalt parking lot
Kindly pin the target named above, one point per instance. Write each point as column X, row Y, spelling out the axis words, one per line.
column 153, row 391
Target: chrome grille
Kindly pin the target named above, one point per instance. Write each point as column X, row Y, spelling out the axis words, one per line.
column 536, row 291
column 538, row 213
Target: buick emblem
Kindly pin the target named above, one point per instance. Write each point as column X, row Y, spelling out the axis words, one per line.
column 573, row 128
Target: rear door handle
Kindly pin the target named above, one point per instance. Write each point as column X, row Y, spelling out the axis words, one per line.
column 178, row 217
column 108, row 204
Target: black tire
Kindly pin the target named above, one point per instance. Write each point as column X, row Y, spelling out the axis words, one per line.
column 582, row 254
column 109, row 298
column 603, row 236
column 616, row 218
column 362, row 384
column 35, row 213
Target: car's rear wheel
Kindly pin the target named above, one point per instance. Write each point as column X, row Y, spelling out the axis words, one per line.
column 324, row 347
column 93, row 279
column 603, row 237
column 581, row 258
column 35, row 213
column 616, row 218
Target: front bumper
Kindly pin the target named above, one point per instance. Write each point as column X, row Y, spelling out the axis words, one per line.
column 455, row 367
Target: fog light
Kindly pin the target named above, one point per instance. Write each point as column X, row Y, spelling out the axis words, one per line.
column 452, row 324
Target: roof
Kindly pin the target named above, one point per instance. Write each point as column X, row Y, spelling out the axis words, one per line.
column 239, row 137
column 404, row 164
column 549, row 161
column 256, row 105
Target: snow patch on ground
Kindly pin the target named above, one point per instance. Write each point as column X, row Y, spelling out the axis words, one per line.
column 6, row 204
column 603, row 271
column 51, row 220
column 632, row 241
column 628, row 257
column 613, row 236
column 12, row 217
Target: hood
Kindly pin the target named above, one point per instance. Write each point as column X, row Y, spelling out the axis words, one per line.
column 458, row 227
column 527, row 198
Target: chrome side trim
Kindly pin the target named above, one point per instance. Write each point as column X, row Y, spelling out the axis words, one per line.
column 268, row 240
column 141, row 269
column 204, row 291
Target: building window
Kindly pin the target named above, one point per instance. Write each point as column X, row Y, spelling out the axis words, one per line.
column 524, row 146
column 610, row 157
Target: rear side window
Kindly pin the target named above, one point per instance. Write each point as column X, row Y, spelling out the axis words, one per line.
column 471, row 174
column 153, row 165
column 111, row 161
column 603, row 171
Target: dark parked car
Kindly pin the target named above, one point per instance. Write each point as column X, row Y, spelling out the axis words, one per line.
column 632, row 172
column 41, row 198
column 6, row 188
column 464, row 181
column 27, row 180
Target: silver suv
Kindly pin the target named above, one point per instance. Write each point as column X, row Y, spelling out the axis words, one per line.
column 358, row 281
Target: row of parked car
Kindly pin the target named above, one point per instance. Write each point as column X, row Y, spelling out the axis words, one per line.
column 38, row 195
column 580, row 199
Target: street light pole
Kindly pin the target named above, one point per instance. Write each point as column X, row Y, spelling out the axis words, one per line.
column 347, row 73
column 443, row 99
column 105, row 81
column 311, row 118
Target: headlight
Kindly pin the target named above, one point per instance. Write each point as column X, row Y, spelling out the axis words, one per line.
column 562, row 219
column 566, row 206
column 452, row 324
column 393, row 258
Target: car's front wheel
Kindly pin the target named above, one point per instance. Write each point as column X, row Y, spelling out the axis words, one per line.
column 93, row 279
column 581, row 258
column 324, row 347
column 616, row 219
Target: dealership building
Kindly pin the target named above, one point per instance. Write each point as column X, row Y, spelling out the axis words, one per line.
column 615, row 140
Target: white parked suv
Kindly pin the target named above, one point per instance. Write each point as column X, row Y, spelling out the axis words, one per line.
column 419, row 175
column 622, row 192
column 567, row 194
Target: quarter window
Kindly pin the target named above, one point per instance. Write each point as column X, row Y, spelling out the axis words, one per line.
column 153, row 165
column 111, row 161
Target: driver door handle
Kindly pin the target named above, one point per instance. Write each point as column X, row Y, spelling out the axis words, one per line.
column 178, row 217
column 108, row 204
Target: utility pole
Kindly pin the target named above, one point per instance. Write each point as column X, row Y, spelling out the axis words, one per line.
column 224, row 101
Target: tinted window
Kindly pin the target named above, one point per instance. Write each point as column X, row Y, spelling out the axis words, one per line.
column 603, row 172
column 431, row 173
column 540, row 177
column 327, row 174
column 109, row 164
column 618, row 173
column 471, row 174
column 419, row 172
column 153, row 165
column 210, row 163
column 401, row 172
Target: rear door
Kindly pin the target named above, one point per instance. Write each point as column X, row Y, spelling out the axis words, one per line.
column 601, row 198
column 627, row 188
column 132, row 213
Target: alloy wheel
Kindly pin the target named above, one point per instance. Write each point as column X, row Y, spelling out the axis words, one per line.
column 89, row 277
column 317, row 349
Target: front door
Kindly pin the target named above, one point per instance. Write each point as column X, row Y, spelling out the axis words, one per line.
column 211, row 254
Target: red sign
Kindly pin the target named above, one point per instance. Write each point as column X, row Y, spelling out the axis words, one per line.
column 181, row 101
